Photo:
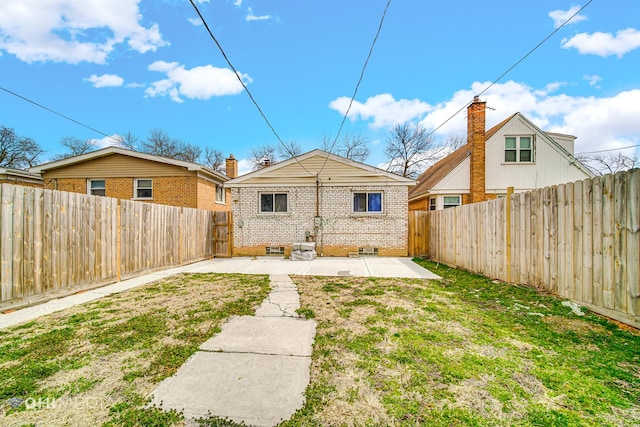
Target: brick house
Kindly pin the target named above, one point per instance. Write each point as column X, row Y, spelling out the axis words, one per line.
column 514, row 153
column 20, row 177
column 125, row 174
column 342, row 205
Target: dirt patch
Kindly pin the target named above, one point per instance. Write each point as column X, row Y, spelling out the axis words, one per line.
column 564, row 324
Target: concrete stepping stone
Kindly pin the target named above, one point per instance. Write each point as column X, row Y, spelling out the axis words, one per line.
column 264, row 335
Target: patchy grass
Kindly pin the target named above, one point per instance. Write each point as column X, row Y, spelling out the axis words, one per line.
column 96, row 364
column 462, row 351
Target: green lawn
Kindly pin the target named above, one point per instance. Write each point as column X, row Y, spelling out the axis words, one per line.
column 96, row 364
column 463, row 351
column 457, row 352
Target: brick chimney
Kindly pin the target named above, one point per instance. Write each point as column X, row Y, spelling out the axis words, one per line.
column 231, row 167
column 476, row 142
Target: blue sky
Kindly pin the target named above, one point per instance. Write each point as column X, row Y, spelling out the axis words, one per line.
column 137, row 65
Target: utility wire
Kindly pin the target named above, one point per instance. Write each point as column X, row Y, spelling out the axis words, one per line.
column 355, row 92
column 255, row 103
column 610, row 149
column 60, row 114
column 514, row 65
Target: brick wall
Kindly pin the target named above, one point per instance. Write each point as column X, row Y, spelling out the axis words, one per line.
column 476, row 137
column 207, row 197
column 341, row 231
column 174, row 191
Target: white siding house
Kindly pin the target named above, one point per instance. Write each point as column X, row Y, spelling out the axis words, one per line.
column 514, row 153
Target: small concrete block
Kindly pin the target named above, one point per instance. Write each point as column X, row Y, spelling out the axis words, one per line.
column 264, row 335
column 303, row 255
column 259, row 390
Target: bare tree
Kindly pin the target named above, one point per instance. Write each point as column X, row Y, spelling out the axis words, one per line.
column 75, row 147
column 454, row 141
column 288, row 150
column 129, row 141
column 214, row 159
column 17, row 152
column 353, row 147
column 410, row 148
column 602, row 164
column 161, row 144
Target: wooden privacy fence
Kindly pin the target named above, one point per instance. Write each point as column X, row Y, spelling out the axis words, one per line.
column 580, row 241
column 55, row 242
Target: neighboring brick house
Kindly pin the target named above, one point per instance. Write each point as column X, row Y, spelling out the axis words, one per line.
column 125, row 174
column 20, row 177
column 344, row 206
column 514, row 153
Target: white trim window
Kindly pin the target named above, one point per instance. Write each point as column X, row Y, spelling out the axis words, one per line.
column 519, row 149
column 433, row 203
column 274, row 203
column 367, row 202
column 143, row 188
column 450, row 202
column 220, row 194
column 96, row 187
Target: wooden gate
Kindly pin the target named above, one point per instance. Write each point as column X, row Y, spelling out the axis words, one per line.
column 222, row 242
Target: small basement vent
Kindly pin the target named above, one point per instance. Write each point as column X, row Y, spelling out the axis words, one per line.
column 367, row 251
column 275, row 250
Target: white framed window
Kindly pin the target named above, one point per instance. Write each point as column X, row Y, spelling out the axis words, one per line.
column 367, row 202
column 143, row 188
column 450, row 201
column 433, row 203
column 519, row 149
column 96, row 187
column 274, row 203
column 220, row 194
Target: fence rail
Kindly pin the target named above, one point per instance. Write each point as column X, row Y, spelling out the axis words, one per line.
column 54, row 242
column 580, row 241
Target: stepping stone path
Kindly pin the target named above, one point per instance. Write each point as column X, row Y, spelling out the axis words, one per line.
column 254, row 371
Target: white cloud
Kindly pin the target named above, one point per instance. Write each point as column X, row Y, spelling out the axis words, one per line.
column 598, row 123
column 202, row 82
column 252, row 16
column 560, row 16
column 593, row 80
column 605, row 44
column 106, row 80
column 135, row 85
column 108, row 141
column 244, row 166
column 237, row 3
column 196, row 22
column 383, row 109
column 73, row 31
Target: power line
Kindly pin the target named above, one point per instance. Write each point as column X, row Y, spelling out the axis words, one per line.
column 610, row 149
column 364, row 67
column 514, row 65
column 24, row 98
column 255, row 103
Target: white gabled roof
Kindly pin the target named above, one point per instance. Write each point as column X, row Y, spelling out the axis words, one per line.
column 331, row 169
column 117, row 150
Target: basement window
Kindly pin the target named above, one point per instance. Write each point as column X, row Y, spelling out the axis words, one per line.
column 96, row 187
column 518, row 149
column 274, row 250
column 367, row 202
column 143, row 189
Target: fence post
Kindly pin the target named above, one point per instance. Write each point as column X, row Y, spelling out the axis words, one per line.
column 118, row 240
column 508, row 232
